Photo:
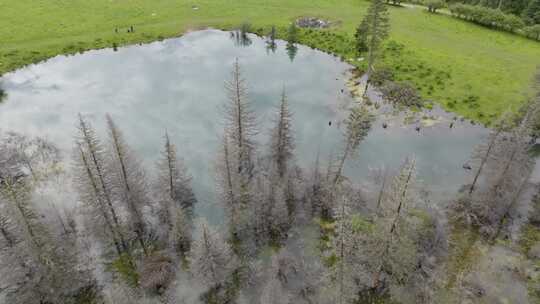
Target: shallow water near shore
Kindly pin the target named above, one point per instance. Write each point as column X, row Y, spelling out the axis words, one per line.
column 178, row 85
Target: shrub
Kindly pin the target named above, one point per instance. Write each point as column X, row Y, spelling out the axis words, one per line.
column 125, row 267
column 533, row 31
column 394, row 2
column 380, row 76
column 401, row 94
column 157, row 273
column 434, row 5
column 492, row 18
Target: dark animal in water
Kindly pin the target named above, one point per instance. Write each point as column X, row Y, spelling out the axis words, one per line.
column 451, row 125
column 467, row 167
column 330, row 123
column 418, row 129
column 384, row 125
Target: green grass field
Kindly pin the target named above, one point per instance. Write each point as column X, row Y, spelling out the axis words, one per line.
column 472, row 70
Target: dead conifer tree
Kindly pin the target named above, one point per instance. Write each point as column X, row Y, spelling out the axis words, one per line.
column 128, row 179
column 483, row 152
column 96, row 166
column 240, row 122
column 90, row 194
column 282, row 138
column 358, row 125
column 176, row 198
column 212, row 260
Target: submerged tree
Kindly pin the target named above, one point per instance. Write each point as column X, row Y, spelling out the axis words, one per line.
column 43, row 269
column 375, row 29
column 240, row 122
column 274, row 290
column 128, row 180
column 212, row 260
column 395, row 236
column 236, row 163
column 345, row 269
column 358, row 125
column 269, row 218
column 99, row 211
column 176, row 197
column 95, row 182
column 512, row 166
column 35, row 155
column 504, row 166
column 282, row 138
column 228, row 188
column 483, row 152
column 388, row 248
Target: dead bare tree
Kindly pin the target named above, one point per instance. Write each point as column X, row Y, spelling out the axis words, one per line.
column 96, row 166
column 240, row 122
column 274, row 291
column 212, row 260
column 358, row 125
column 90, row 194
column 282, row 138
column 174, row 180
column 128, row 179
column 399, row 197
column 483, row 151
column 45, row 269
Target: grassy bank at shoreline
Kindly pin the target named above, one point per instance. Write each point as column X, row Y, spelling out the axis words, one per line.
column 468, row 69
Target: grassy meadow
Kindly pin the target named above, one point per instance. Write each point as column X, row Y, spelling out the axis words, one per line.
column 469, row 69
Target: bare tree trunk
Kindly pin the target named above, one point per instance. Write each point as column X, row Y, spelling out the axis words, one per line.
column 239, row 115
column 484, row 160
column 101, row 178
column 341, row 256
column 10, row 240
column 170, row 165
column 139, row 229
column 510, row 206
column 102, row 206
column 381, row 191
column 393, row 226
column 342, row 163
column 27, row 225
column 60, row 219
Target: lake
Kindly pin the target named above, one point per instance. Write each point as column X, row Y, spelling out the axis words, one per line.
column 178, row 85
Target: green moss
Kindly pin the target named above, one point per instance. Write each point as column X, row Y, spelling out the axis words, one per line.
column 422, row 215
column 126, row 269
column 360, row 224
column 463, row 252
column 88, row 295
column 529, row 237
